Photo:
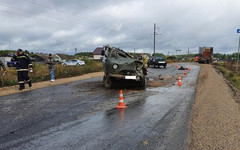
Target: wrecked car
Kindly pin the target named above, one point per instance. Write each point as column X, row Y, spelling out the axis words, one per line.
column 119, row 65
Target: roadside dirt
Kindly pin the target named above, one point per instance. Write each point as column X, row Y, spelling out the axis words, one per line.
column 215, row 114
column 14, row 89
column 166, row 80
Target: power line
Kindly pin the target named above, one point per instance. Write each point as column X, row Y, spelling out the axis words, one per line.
column 59, row 10
column 33, row 18
column 30, row 11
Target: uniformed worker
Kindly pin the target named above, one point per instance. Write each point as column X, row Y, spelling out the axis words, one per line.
column 2, row 66
column 144, row 68
column 23, row 64
column 140, row 57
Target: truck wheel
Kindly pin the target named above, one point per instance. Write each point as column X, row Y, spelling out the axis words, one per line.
column 107, row 82
column 142, row 82
column 165, row 66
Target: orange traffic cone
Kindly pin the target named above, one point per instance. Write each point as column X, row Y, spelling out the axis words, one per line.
column 177, row 66
column 121, row 102
column 179, row 81
column 185, row 73
column 189, row 68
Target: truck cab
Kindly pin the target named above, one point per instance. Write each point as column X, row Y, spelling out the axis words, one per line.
column 119, row 65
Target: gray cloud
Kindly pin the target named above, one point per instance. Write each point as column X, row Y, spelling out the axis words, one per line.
column 61, row 26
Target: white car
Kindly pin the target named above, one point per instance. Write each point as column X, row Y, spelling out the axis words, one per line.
column 74, row 62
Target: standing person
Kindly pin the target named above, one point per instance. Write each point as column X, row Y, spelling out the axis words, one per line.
column 2, row 66
column 140, row 57
column 51, row 66
column 23, row 64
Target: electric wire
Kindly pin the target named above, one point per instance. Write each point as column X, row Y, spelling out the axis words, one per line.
column 33, row 12
column 33, row 18
column 61, row 11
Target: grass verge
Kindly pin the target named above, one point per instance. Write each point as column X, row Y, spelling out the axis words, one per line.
column 41, row 72
column 230, row 75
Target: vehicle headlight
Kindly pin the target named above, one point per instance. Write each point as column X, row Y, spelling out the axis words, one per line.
column 115, row 66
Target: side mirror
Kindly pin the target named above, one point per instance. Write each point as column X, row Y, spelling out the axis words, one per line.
column 103, row 52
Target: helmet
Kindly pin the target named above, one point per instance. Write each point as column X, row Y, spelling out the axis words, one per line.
column 19, row 50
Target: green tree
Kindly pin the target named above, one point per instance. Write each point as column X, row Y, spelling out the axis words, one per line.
column 159, row 55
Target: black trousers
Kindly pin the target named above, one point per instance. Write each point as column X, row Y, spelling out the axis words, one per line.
column 23, row 76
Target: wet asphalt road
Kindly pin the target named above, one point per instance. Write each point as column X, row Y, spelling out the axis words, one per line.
column 81, row 115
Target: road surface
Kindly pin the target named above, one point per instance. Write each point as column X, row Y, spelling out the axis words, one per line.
column 81, row 115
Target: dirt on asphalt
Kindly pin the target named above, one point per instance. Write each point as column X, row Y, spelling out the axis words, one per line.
column 165, row 80
column 215, row 114
column 38, row 85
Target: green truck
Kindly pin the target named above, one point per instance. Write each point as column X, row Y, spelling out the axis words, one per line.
column 119, row 65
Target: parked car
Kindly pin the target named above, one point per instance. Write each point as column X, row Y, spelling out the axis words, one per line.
column 74, row 62
column 11, row 63
column 157, row 61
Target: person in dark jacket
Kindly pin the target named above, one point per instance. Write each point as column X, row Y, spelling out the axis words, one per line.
column 23, row 64
column 51, row 66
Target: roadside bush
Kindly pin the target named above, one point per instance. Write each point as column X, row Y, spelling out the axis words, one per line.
column 41, row 72
column 9, row 79
column 88, row 61
column 70, row 71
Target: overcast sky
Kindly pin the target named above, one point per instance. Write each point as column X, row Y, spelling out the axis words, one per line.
column 59, row 26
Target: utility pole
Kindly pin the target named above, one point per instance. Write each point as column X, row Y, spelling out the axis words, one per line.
column 75, row 49
column 154, row 38
column 238, row 54
column 10, row 45
column 178, row 51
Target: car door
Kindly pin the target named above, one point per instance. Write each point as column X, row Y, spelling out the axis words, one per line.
column 70, row 62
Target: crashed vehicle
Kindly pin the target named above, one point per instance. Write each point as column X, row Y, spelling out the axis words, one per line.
column 118, row 65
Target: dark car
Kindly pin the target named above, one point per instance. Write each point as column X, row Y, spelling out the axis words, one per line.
column 156, row 61
column 11, row 63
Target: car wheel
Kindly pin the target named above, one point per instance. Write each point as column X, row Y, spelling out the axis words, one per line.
column 107, row 82
column 77, row 64
column 64, row 65
column 142, row 82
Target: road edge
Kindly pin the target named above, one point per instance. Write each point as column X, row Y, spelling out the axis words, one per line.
column 14, row 89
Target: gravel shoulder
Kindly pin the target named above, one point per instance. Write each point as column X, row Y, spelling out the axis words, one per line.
column 14, row 89
column 215, row 114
